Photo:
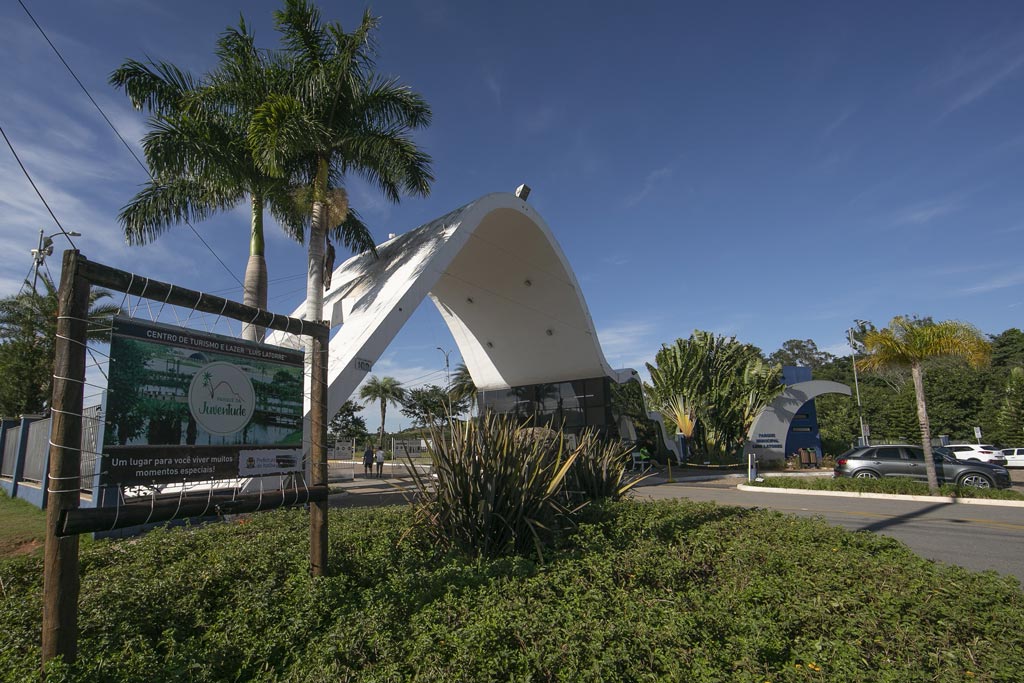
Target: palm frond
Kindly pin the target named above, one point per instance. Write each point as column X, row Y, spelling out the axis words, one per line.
column 161, row 204
column 154, row 86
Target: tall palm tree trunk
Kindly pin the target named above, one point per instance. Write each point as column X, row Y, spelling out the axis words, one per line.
column 383, row 412
column 926, row 430
column 254, row 289
column 317, row 235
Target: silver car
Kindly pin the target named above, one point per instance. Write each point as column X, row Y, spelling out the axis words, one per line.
column 907, row 461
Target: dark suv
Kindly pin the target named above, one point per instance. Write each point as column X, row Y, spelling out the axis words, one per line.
column 872, row 462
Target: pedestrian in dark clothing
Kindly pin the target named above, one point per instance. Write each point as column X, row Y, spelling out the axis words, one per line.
column 368, row 460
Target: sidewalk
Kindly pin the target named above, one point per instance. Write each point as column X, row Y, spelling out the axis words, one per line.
column 395, row 487
column 727, row 475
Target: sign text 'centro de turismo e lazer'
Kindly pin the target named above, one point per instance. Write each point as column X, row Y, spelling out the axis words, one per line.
column 190, row 406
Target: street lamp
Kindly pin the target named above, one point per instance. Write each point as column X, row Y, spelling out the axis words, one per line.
column 856, row 384
column 447, row 381
column 44, row 249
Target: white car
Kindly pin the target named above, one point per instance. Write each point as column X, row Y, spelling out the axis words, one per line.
column 1014, row 457
column 979, row 452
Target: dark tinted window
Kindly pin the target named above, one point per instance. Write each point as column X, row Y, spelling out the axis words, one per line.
column 887, row 454
column 914, row 454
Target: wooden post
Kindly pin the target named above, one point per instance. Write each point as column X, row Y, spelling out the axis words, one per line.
column 318, row 454
column 60, row 568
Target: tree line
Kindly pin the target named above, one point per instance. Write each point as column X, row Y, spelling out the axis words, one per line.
column 709, row 388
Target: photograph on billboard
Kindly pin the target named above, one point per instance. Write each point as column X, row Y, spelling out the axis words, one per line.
column 184, row 405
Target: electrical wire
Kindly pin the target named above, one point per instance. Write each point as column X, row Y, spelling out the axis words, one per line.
column 33, row 184
column 119, row 137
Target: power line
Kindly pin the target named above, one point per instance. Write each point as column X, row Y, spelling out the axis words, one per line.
column 33, row 184
column 119, row 137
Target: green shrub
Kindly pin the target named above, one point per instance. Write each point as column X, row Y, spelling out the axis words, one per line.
column 668, row 591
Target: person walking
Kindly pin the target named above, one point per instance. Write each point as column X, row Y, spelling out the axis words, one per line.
column 380, row 462
column 368, row 459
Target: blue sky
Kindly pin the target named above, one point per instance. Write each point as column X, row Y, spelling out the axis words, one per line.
column 764, row 170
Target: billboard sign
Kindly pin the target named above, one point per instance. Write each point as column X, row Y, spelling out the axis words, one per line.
column 190, row 406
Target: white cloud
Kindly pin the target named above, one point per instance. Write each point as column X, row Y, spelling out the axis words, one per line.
column 493, row 86
column 837, row 122
column 629, row 344
column 541, row 119
column 925, row 212
column 1010, row 279
column 653, row 179
column 980, row 68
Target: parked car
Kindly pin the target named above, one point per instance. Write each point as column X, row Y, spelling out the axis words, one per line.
column 975, row 451
column 901, row 460
column 1014, row 457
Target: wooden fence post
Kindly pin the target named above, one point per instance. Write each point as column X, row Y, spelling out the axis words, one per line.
column 60, row 568
column 318, row 453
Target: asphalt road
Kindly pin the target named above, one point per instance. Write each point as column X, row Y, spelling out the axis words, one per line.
column 978, row 537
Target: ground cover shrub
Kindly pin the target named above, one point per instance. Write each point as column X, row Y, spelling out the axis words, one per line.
column 633, row 592
column 894, row 485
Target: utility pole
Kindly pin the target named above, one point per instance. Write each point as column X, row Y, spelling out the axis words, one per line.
column 44, row 249
column 447, row 380
column 856, row 384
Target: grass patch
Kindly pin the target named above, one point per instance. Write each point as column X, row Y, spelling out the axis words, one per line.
column 22, row 527
column 893, row 485
column 671, row 590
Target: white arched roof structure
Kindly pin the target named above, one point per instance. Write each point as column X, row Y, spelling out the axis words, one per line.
column 501, row 283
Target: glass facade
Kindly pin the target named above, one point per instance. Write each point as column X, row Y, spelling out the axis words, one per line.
column 573, row 405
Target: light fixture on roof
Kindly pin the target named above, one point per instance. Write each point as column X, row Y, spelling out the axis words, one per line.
column 523, row 191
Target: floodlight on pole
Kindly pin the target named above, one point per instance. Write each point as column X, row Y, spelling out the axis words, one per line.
column 44, row 249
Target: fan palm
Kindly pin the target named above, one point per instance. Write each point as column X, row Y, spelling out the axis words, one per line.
column 908, row 343
column 337, row 117
column 385, row 390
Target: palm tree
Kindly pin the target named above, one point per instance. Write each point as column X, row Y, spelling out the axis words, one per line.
column 200, row 159
column 337, row 117
column 908, row 343
column 462, row 386
column 28, row 335
column 386, row 390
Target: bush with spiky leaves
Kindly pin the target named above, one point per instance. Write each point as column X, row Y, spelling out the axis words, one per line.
column 598, row 471
column 492, row 492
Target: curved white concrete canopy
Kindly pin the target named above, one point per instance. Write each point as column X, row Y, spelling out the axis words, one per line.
column 767, row 435
column 501, row 283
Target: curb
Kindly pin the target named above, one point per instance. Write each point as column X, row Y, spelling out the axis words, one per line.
column 886, row 496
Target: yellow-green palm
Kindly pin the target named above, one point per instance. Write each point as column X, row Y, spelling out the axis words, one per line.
column 908, row 343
